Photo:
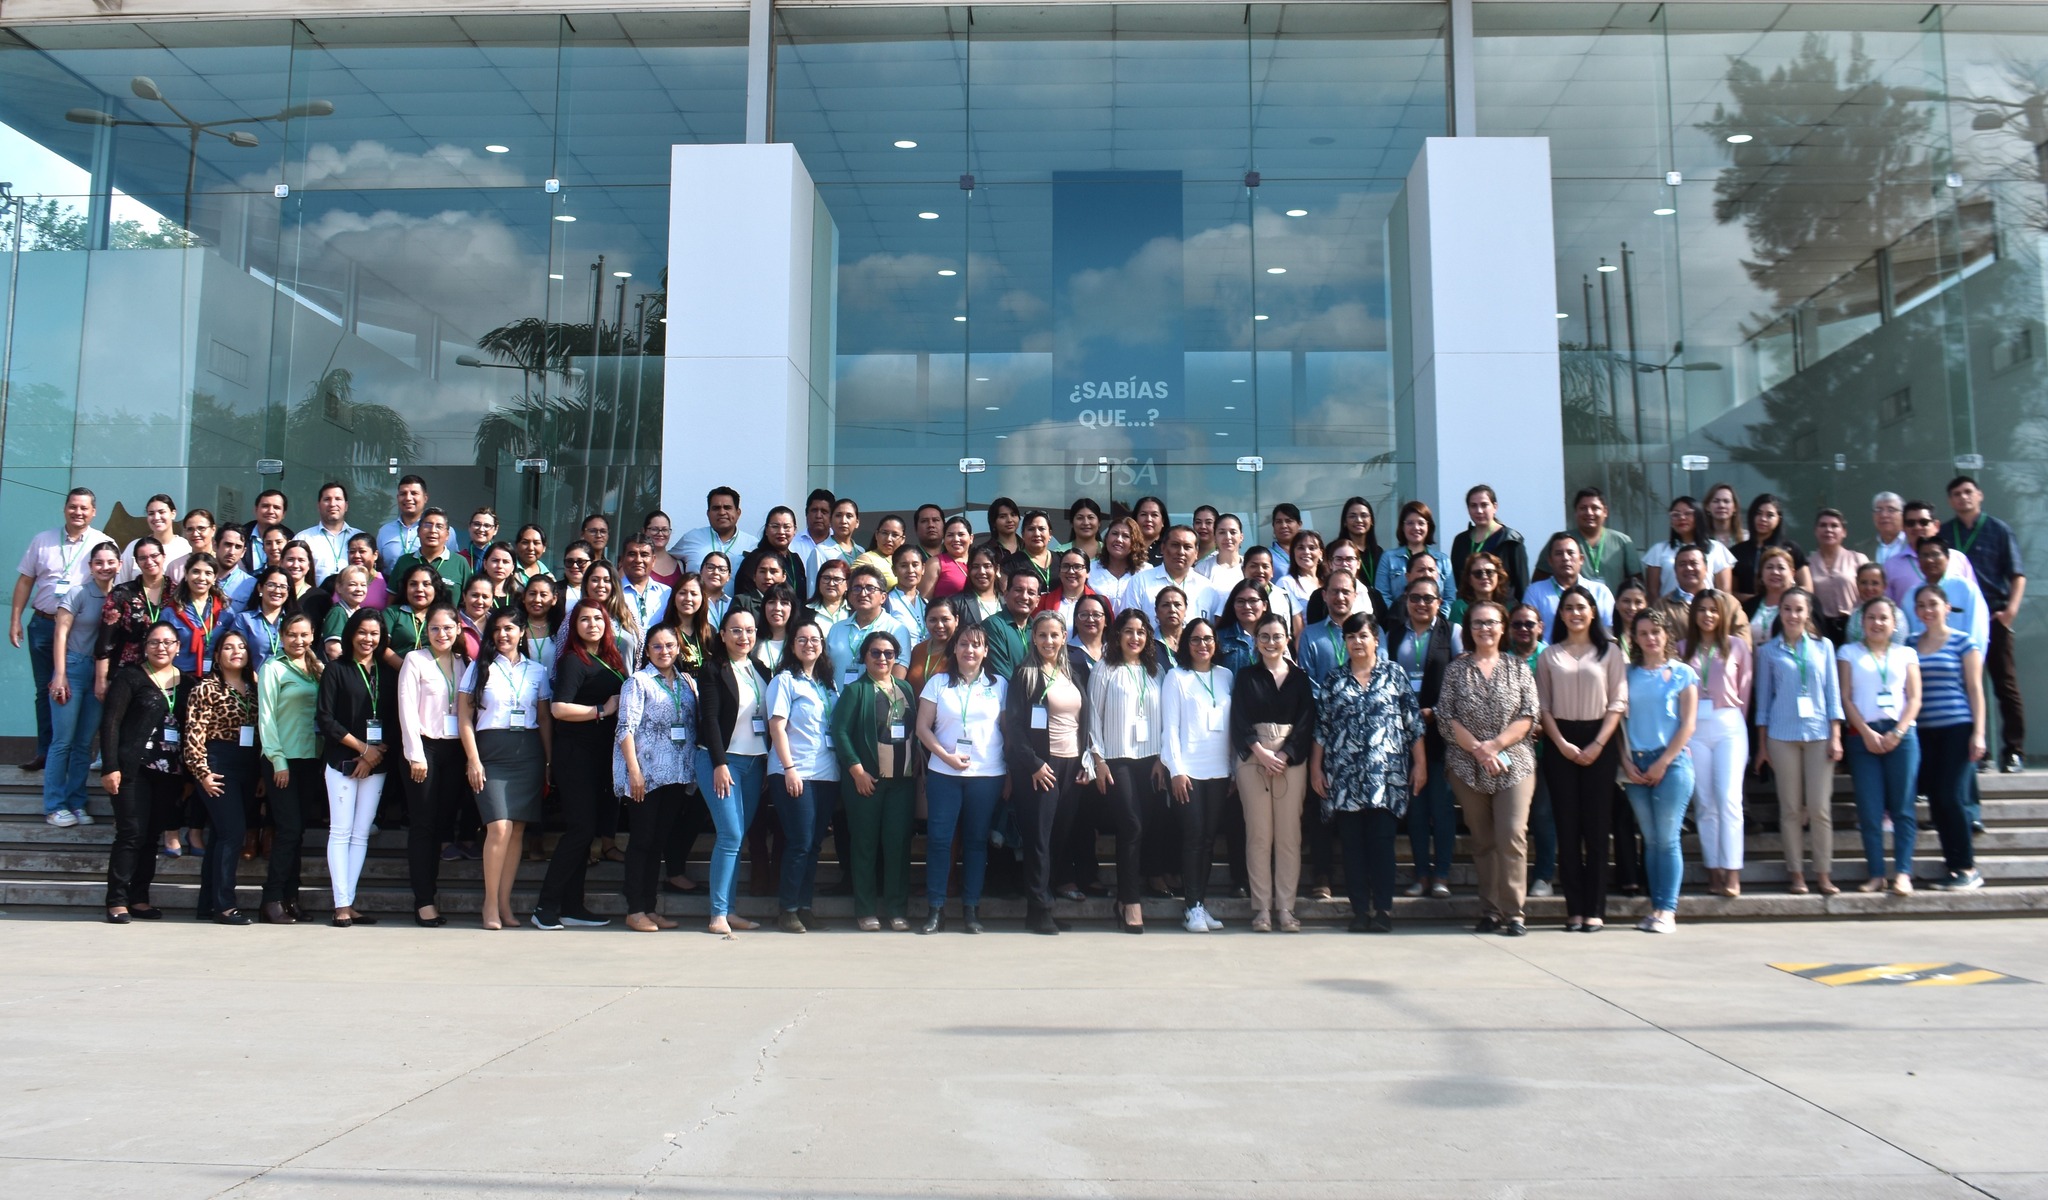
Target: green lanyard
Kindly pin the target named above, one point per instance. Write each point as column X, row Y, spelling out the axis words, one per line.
column 368, row 686
column 1208, row 679
column 674, row 688
column 1883, row 665
column 1800, row 656
column 1964, row 543
column 966, row 691
column 1144, row 685
column 1337, row 645
column 447, row 675
column 1595, row 551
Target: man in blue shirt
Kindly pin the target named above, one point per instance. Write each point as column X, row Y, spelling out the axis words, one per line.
column 1322, row 652
column 1994, row 551
column 1565, row 559
column 865, row 592
column 401, row 535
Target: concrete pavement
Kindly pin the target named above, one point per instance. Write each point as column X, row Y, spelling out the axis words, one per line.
column 184, row 1060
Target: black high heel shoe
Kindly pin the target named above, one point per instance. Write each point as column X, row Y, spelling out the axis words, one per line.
column 934, row 922
column 433, row 922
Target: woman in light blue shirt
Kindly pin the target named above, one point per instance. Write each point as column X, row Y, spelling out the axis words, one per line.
column 799, row 707
column 1663, row 700
column 1799, row 729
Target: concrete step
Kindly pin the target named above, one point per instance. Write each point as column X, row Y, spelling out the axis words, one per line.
column 178, row 899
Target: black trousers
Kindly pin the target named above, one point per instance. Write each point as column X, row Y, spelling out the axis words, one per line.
column 649, row 822
column 1628, row 846
column 145, row 800
column 1124, row 807
column 226, row 814
column 1045, row 819
column 1199, row 817
column 1368, row 837
column 1234, row 842
column 1073, row 856
column 430, row 806
column 692, row 819
column 1319, row 843
column 1946, row 769
column 2005, row 684
column 1582, row 800
column 288, row 807
column 583, row 774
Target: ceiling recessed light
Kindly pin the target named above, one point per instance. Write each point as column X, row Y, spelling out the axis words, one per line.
column 552, row 275
column 565, row 218
column 1738, row 138
column 959, row 318
column 981, row 379
column 497, row 149
column 1237, row 381
column 991, row 408
column 1259, row 317
column 622, row 274
column 1607, row 268
column 905, row 144
column 927, row 216
column 1220, row 433
column 949, row 273
column 1662, row 212
column 1562, row 316
column 1276, row 270
column 1230, row 408
column 1297, row 212
column 1001, row 436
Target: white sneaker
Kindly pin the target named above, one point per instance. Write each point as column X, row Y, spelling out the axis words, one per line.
column 1656, row 924
column 1209, row 920
column 63, row 818
column 1540, row 888
column 1193, row 922
column 82, row 817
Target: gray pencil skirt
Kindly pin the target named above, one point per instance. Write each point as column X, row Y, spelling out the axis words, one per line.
column 515, row 774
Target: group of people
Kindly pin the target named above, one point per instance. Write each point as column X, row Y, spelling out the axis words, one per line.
column 1163, row 681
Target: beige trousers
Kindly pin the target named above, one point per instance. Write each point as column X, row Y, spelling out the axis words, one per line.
column 1806, row 796
column 1272, row 834
column 1500, row 844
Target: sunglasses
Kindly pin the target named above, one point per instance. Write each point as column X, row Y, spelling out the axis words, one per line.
column 1525, row 625
column 884, row 655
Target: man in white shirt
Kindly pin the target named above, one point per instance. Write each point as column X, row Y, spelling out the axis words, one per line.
column 329, row 539
column 1176, row 567
column 817, row 529
column 54, row 563
column 1887, row 513
column 270, row 508
column 721, row 532
column 644, row 594
column 1566, row 561
column 401, row 536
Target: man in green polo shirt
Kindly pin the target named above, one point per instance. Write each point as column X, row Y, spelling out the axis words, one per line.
column 1009, row 639
column 1611, row 557
column 434, row 552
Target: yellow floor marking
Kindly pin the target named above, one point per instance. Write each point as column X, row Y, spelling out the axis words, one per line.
column 1978, row 975
column 1876, row 972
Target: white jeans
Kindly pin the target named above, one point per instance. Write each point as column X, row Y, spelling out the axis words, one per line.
column 351, row 810
column 1720, row 754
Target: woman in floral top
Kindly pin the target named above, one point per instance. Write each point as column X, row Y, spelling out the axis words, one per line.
column 1486, row 709
column 652, row 767
column 1368, row 760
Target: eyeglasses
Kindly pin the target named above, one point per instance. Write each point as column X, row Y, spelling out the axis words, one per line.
column 1066, row 567
column 1422, row 598
column 1484, row 624
column 810, row 640
column 1202, row 640
column 883, row 654
column 864, row 589
column 1482, row 571
column 1273, row 637
column 576, row 562
column 1923, row 521
column 1525, row 625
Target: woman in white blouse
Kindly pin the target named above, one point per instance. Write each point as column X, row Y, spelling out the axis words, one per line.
column 960, row 720
column 1880, row 704
column 1124, row 693
column 430, row 735
column 1195, row 719
column 508, row 738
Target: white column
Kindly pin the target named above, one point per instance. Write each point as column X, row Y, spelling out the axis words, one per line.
column 1482, row 324
column 751, row 257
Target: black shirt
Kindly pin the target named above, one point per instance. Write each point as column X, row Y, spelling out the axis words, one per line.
column 581, row 681
column 345, row 708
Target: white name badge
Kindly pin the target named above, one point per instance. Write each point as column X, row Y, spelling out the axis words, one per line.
column 760, row 725
column 519, row 718
column 851, row 674
column 1414, row 680
column 677, row 733
column 373, row 733
column 1039, row 719
column 205, row 665
column 1808, row 710
column 170, row 735
column 448, row 726
column 963, row 744
column 248, row 736
column 1213, row 721
column 896, row 733
column 1141, row 730
column 61, row 588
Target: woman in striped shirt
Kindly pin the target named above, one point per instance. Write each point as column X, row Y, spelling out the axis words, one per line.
column 1951, row 730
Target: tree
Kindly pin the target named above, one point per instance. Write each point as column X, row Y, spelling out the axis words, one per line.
column 360, row 439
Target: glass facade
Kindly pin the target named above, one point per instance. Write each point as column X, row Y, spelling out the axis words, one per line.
column 1106, row 250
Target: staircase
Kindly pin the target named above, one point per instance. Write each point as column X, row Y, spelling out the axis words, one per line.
column 46, row 867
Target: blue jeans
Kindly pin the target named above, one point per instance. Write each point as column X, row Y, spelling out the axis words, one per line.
column 71, row 728
column 1542, row 834
column 1884, row 785
column 1433, row 824
column 42, row 661
column 730, row 816
column 1660, row 811
column 806, row 819
column 964, row 804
